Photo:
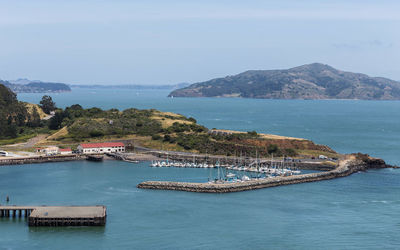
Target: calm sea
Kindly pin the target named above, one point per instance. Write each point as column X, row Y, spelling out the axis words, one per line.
column 356, row 212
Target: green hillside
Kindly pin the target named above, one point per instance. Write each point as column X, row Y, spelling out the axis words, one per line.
column 312, row 81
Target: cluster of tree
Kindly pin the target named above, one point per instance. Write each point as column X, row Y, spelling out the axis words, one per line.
column 185, row 127
column 95, row 122
column 192, row 136
column 225, row 145
column 14, row 115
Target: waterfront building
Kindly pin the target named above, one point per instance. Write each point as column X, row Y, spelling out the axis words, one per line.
column 104, row 147
column 51, row 150
column 65, row 151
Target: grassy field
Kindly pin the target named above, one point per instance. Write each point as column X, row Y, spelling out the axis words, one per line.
column 19, row 139
column 316, row 153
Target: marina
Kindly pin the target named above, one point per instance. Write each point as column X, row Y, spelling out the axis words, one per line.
column 346, row 167
column 239, row 171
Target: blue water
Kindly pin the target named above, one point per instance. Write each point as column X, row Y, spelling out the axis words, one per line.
column 357, row 212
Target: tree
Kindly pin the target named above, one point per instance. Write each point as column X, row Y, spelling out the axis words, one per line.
column 56, row 120
column 34, row 120
column 272, row 148
column 47, row 104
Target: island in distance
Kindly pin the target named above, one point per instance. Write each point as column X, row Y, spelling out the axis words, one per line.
column 28, row 86
column 310, row 81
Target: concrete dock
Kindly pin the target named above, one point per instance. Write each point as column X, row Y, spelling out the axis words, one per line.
column 39, row 159
column 58, row 215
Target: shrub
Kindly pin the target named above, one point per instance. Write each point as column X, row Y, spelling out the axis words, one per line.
column 167, row 137
column 156, row 137
column 272, row 149
column 252, row 133
column 96, row 133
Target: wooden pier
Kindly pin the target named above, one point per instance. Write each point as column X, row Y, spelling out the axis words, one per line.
column 56, row 216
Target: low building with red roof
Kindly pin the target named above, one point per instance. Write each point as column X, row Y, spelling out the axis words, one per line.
column 65, row 151
column 102, row 147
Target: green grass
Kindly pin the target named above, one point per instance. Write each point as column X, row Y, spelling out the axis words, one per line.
column 19, row 139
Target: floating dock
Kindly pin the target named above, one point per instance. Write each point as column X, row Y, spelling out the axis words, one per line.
column 56, row 216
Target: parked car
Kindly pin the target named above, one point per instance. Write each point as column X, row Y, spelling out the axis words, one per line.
column 3, row 153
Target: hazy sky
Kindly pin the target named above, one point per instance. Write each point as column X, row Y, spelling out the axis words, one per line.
column 164, row 42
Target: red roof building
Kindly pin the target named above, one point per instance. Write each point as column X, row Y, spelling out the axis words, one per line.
column 102, row 147
column 65, row 151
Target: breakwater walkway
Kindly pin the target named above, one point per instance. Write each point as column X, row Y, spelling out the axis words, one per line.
column 58, row 215
column 349, row 165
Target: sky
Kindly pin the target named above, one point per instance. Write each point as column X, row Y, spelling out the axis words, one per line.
column 170, row 41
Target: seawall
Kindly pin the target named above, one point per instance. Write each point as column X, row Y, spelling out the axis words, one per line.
column 40, row 159
column 351, row 164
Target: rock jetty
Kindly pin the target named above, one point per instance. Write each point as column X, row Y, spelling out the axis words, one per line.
column 351, row 164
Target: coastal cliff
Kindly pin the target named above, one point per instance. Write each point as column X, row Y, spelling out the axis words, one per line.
column 351, row 164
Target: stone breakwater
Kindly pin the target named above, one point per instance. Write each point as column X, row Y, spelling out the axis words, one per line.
column 40, row 159
column 351, row 164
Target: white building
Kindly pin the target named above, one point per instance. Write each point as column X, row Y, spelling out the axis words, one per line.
column 104, row 147
column 52, row 150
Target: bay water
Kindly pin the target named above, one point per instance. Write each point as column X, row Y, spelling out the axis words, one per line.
column 357, row 212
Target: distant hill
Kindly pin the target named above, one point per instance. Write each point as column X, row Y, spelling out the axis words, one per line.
column 27, row 86
column 132, row 86
column 311, row 81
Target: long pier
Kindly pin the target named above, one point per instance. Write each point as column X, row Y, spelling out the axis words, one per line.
column 352, row 164
column 58, row 215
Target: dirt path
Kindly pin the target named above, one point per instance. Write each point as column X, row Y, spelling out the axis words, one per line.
column 30, row 143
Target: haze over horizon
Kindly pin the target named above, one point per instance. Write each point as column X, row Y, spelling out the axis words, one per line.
column 167, row 42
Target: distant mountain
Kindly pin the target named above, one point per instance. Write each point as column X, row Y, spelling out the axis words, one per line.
column 133, row 86
column 311, row 81
column 27, row 86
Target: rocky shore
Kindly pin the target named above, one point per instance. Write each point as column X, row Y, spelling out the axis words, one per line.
column 351, row 164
